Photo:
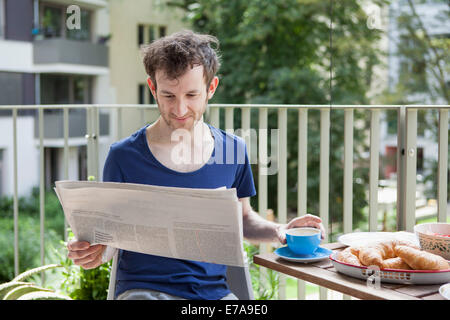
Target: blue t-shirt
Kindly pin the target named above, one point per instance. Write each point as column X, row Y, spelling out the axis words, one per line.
column 130, row 160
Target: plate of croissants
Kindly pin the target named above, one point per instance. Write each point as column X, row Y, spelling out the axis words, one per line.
column 394, row 261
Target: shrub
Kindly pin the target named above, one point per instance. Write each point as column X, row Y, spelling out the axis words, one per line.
column 29, row 245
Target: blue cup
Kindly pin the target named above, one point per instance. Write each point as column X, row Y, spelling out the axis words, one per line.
column 303, row 240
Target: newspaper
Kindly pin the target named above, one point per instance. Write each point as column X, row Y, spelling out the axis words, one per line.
column 193, row 224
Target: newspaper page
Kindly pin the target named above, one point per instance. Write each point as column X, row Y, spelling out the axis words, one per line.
column 194, row 224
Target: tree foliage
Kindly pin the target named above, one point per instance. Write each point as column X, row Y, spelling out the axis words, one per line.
column 282, row 52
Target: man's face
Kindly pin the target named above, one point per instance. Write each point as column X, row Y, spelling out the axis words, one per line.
column 182, row 101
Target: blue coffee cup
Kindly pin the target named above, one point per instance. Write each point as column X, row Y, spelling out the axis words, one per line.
column 303, row 240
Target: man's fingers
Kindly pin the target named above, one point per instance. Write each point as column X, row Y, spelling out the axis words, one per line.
column 303, row 221
column 89, row 260
column 79, row 254
column 78, row 245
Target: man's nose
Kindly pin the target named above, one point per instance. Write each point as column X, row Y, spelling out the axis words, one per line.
column 181, row 108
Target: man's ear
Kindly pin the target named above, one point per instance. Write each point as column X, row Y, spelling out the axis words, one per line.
column 212, row 87
column 151, row 86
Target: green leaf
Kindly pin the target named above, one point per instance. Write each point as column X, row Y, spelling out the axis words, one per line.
column 6, row 287
column 31, row 272
column 17, row 292
column 40, row 295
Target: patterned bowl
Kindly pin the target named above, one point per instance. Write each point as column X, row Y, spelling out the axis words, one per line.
column 434, row 238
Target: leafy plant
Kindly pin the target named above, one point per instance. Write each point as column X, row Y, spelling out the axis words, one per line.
column 18, row 289
column 262, row 290
column 29, row 245
column 81, row 284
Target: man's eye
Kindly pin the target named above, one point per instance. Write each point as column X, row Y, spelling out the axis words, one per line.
column 169, row 97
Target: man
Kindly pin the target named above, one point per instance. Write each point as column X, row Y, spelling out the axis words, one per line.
column 181, row 69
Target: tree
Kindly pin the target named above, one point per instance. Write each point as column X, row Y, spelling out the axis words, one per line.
column 280, row 52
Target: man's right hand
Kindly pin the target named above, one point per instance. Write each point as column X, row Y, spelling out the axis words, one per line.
column 85, row 255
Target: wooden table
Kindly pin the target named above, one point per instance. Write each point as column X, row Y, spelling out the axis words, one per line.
column 324, row 274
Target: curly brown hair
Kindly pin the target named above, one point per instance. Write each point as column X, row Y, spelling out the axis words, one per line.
column 175, row 53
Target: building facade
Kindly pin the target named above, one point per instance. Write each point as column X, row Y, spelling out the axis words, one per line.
column 48, row 57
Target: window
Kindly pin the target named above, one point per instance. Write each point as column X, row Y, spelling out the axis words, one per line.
column 162, row 31
column 145, row 95
column 65, row 89
column 140, row 35
column 84, row 33
column 141, row 94
column 151, row 34
column 150, row 97
column 2, row 19
column 53, row 23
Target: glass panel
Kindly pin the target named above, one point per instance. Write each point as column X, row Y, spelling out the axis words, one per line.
column 151, row 34
column 52, row 22
column 162, row 31
column 141, row 93
column 54, row 89
column 140, row 34
column 84, row 33
column 79, row 90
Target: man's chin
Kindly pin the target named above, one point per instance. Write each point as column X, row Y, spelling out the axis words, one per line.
column 188, row 125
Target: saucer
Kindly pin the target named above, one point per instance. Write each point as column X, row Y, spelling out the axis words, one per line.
column 444, row 290
column 320, row 254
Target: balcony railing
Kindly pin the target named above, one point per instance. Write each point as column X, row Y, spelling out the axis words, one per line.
column 405, row 159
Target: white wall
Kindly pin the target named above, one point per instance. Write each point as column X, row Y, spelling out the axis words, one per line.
column 27, row 155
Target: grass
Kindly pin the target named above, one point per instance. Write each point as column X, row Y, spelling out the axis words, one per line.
column 291, row 288
column 431, row 219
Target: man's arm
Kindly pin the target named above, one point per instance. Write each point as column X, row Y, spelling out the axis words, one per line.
column 258, row 229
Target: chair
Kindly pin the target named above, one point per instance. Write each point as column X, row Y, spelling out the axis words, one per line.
column 238, row 279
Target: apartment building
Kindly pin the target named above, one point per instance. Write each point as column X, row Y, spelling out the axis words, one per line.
column 132, row 24
column 43, row 61
column 399, row 69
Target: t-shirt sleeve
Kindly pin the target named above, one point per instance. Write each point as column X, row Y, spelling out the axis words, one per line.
column 244, row 184
column 111, row 169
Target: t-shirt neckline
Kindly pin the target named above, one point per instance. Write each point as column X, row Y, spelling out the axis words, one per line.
column 150, row 153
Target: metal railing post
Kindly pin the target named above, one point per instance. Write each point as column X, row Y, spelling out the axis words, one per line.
column 262, row 181
column 16, row 201
column 410, row 169
column 348, row 171
column 302, row 178
column 282, row 184
column 324, row 187
column 374, row 168
column 442, row 173
column 66, row 157
column 42, row 189
column 401, row 182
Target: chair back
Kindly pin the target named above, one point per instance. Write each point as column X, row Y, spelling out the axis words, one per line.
column 238, row 279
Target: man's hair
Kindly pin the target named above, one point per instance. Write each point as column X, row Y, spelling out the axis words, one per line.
column 175, row 53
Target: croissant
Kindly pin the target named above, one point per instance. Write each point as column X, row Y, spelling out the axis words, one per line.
column 348, row 256
column 377, row 253
column 395, row 263
column 421, row 260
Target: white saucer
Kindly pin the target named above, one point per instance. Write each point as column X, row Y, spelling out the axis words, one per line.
column 320, row 254
column 444, row 290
